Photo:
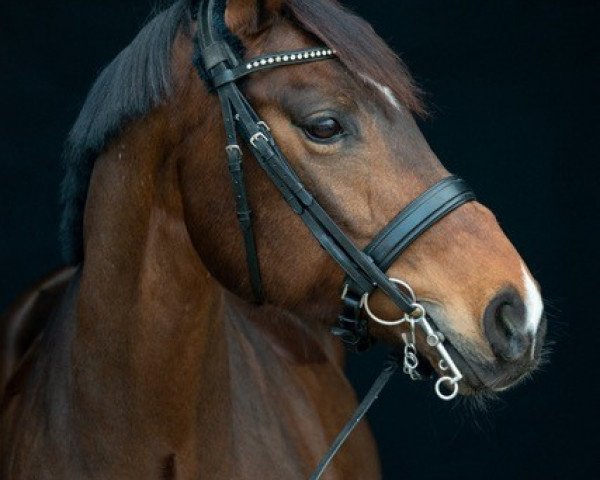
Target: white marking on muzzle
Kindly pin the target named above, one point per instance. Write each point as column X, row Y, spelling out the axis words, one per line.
column 533, row 302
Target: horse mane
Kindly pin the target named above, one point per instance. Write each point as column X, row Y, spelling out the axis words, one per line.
column 134, row 82
column 139, row 78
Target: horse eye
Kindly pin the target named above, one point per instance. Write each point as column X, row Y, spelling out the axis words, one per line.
column 325, row 128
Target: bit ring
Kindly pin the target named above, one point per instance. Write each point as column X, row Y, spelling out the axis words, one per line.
column 451, row 383
column 390, row 323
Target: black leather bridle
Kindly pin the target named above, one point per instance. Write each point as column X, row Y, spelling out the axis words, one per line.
column 365, row 269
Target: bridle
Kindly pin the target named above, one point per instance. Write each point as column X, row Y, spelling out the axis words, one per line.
column 365, row 270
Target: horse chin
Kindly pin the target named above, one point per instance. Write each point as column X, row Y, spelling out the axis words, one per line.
column 485, row 376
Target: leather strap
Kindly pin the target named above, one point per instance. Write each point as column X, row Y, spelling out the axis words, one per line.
column 271, row 60
column 244, row 214
column 390, row 366
column 216, row 53
column 426, row 210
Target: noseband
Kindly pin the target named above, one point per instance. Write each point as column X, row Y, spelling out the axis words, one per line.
column 365, row 269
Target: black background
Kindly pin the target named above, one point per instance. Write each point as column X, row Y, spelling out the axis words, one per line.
column 512, row 86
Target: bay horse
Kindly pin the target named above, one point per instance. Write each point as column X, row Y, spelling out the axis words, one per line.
column 151, row 357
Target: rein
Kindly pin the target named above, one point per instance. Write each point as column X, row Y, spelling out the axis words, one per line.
column 365, row 269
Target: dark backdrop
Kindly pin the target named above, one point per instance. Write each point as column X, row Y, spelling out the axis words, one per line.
column 511, row 85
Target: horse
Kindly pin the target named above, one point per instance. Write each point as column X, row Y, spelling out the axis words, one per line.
column 150, row 357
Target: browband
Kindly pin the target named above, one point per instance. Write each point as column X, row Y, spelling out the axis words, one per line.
column 271, row 60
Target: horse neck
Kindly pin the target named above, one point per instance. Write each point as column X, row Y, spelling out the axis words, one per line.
column 148, row 313
column 155, row 330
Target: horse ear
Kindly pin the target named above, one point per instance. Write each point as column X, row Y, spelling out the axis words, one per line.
column 247, row 17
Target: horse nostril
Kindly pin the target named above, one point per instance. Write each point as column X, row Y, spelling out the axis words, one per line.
column 505, row 326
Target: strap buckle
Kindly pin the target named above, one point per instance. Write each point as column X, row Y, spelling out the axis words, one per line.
column 234, row 158
column 264, row 125
column 254, row 138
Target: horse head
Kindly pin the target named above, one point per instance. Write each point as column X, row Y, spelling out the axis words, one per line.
column 347, row 127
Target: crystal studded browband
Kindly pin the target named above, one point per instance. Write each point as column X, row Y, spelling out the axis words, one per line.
column 264, row 62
